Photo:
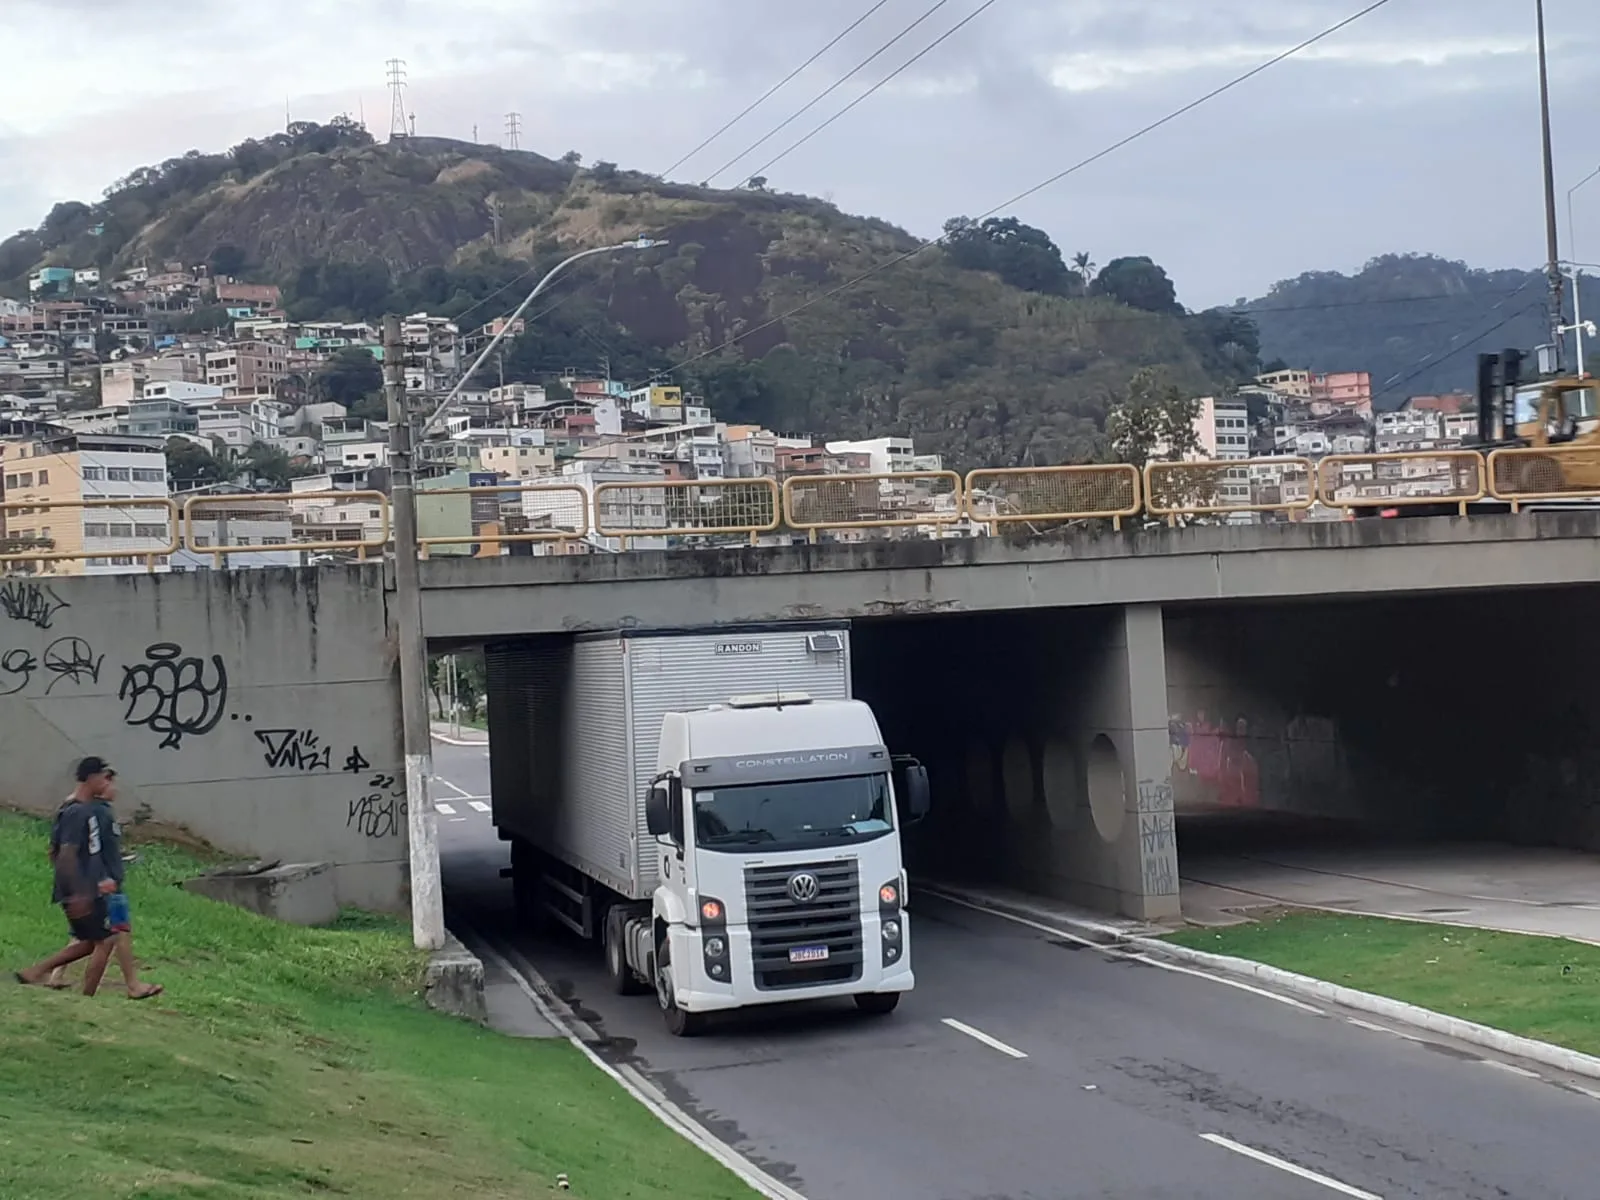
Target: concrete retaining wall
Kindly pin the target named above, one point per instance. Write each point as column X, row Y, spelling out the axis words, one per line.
column 258, row 709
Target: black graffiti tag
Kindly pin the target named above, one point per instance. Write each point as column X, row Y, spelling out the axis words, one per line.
column 169, row 693
column 377, row 815
column 35, row 603
column 73, row 659
column 294, row 749
column 16, row 670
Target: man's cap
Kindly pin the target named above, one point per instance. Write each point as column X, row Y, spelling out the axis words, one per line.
column 91, row 766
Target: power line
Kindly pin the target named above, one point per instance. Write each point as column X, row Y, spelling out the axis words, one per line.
column 775, row 88
column 1060, row 175
column 1429, row 361
column 826, row 92
column 766, row 166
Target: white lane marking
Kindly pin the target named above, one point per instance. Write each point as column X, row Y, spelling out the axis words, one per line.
column 441, row 807
column 980, row 1035
column 1360, row 1024
column 478, row 806
column 1505, row 1066
column 460, row 791
column 1216, row 1139
column 1118, row 952
column 1589, row 1092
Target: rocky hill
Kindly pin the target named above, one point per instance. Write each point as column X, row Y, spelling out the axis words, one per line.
column 833, row 328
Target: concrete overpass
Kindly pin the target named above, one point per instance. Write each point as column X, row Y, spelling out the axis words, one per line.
column 1071, row 698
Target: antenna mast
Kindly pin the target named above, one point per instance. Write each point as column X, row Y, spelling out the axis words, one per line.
column 397, row 92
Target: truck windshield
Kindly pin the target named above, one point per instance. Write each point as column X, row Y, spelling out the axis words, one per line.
column 793, row 815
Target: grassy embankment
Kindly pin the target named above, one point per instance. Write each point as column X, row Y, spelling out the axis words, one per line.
column 1545, row 988
column 289, row 1062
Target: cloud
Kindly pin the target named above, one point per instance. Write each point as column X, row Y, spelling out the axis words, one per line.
column 1414, row 129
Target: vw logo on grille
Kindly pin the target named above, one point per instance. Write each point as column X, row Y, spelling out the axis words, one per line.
column 802, row 887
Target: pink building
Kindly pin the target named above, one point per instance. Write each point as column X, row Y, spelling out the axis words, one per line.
column 1345, row 391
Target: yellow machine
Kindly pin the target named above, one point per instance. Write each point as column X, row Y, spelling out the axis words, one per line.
column 1561, row 412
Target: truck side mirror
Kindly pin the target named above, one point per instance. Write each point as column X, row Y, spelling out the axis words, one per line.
column 658, row 810
column 914, row 784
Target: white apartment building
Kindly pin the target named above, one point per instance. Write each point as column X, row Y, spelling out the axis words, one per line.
column 751, row 452
column 333, row 518
column 643, row 509
column 67, row 469
column 885, row 455
column 237, row 522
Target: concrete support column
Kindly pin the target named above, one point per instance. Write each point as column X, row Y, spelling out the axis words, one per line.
column 1107, row 768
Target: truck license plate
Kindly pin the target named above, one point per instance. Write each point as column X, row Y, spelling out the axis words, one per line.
column 805, row 954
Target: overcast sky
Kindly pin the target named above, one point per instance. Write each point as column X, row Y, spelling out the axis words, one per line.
column 1415, row 129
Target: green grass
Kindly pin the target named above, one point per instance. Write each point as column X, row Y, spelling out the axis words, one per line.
column 286, row 1062
column 1545, row 988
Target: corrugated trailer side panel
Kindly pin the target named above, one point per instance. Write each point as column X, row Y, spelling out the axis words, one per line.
column 677, row 672
column 597, row 817
column 527, row 683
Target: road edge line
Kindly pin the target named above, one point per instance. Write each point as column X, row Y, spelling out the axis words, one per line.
column 1515, row 1045
column 544, row 999
column 450, row 741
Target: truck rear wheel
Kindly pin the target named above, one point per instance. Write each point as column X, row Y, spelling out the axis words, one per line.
column 618, row 973
column 679, row 1023
column 878, row 1004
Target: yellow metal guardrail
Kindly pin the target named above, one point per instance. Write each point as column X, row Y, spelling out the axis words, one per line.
column 31, row 523
column 871, row 501
column 284, row 521
column 1518, row 474
column 686, row 508
column 1005, row 495
column 547, row 513
column 1221, row 486
column 1352, row 481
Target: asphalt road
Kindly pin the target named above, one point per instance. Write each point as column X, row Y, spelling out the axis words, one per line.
column 1023, row 1068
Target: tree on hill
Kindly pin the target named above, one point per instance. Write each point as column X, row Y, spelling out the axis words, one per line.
column 1139, row 283
column 191, row 466
column 1153, row 421
column 227, row 259
column 350, row 376
column 1021, row 255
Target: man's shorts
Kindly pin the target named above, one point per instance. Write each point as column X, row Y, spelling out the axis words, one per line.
column 94, row 926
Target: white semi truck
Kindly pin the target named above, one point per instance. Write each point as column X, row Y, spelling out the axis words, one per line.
column 713, row 807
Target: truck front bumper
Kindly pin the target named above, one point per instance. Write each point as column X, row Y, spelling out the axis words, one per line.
column 697, row 991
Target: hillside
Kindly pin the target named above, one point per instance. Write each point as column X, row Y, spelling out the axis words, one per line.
column 973, row 367
column 1416, row 322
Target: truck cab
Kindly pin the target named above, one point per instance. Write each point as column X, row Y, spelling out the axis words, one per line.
column 776, row 820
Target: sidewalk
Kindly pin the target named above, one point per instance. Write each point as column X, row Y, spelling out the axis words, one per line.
column 467, row 736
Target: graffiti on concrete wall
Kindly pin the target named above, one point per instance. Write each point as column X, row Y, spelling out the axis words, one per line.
column 16, row 671
column 71, row 660
column 381, row 811
column 295, row 750
column 1212, row 763
column 35, row 603
column 174, row 694
column 1158, row 838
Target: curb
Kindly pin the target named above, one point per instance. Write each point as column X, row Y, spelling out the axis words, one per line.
column 450, row 741
column 1114, row 938
column 583, row 1036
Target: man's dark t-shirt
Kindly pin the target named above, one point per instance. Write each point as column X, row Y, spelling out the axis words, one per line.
column 85, row 837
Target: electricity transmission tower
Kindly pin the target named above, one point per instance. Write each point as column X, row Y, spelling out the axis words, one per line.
column 513, row 131
column 397, row 91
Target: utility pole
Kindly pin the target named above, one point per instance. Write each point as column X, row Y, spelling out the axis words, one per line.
column 427, row 899
column 1552, row 236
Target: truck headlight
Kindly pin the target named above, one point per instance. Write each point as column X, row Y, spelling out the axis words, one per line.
column 715, row 947
column 891, row 931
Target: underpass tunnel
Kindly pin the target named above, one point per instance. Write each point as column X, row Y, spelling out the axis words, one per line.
column 1044, row 734
column 1321, row 750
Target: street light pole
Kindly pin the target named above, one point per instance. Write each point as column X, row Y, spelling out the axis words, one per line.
column 1553, row 266
column 427, row 897
column 637, row 244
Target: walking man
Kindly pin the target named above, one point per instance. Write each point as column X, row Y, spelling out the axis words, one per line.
column 88, row 870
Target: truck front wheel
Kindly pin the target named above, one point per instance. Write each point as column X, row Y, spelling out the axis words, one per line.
column 618, row 973
column 679, row 1023
column 878, row 1004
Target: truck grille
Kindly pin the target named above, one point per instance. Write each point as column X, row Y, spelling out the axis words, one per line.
column 779, row 924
